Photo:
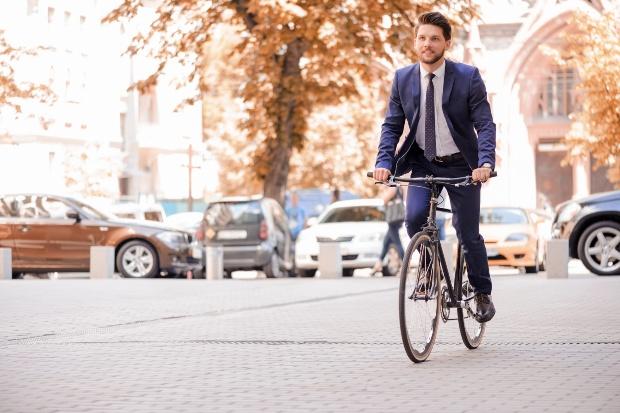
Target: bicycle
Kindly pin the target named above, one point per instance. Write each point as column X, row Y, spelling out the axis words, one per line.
column 423, row 297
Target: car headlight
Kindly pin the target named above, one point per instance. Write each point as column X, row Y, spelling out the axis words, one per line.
column 568, row 212
column 171, row 238
column 376, row 236
column 517, row 237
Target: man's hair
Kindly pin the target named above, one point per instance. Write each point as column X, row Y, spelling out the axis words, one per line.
column 436, row 19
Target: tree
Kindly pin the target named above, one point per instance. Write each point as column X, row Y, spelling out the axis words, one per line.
column 296, row 55
column 92, row 170
column 14, row 91
column 593, row 49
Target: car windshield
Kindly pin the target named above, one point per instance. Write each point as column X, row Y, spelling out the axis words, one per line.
column 234, row 213
column 355, row 214
column 502, row 216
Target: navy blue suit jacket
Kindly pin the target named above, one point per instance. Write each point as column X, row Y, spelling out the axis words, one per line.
column 465, row 107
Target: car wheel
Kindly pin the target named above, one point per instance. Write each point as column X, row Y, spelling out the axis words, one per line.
column 347, row 272
column 137, row 259
column 227, row 275
column 393, row 264
column 599, row 248
column 306, row 273
column 272, row 268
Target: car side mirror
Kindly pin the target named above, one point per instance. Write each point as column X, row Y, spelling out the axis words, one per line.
column 72, row 214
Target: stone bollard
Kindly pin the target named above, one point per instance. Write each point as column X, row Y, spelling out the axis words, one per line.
column 330, row 260
column 6, row 266
column 557, row 258
column 101, row 262
column 215, row 262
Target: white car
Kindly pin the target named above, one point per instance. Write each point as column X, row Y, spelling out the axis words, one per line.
column 359, row 225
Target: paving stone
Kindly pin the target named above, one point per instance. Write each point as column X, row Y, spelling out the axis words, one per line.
column 303, row 345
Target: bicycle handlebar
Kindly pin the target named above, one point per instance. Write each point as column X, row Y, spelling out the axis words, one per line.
column 431, row 179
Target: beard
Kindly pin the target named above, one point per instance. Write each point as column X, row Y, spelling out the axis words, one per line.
column 432, row 59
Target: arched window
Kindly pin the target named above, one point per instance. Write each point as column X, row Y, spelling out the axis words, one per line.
column 557, row 95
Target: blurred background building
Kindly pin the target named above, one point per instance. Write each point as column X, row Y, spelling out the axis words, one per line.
column 98, row 139
column 101, row 140
column 531, row 98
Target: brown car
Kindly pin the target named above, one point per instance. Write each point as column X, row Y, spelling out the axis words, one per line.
column 49, row 233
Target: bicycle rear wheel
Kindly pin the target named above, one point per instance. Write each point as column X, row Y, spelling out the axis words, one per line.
column 471, row 330
column 419, row 304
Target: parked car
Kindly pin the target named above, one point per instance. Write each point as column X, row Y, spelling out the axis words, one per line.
column 191, row 222
column 254, row 233
column 139, row 211
column 49, row 233
column 314, row 200
column 359, row 225
column 513, row 237
column 592, row 227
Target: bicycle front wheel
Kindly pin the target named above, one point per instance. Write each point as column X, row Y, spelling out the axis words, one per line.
column 471, row 330
column 419, row 303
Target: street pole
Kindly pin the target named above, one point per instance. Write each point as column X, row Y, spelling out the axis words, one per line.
column 190, row 199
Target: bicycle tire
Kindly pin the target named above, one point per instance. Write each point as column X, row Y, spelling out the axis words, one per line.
column 472, row 332
column 412, row 302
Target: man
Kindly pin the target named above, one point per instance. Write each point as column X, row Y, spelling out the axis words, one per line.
column 445, row 104
column 296, row 216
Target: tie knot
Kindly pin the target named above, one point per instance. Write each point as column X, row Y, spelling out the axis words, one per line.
column 431, row 76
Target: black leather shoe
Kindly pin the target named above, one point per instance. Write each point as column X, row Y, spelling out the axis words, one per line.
column 485, row 310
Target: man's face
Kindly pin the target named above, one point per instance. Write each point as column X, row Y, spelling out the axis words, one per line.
column 430, row 44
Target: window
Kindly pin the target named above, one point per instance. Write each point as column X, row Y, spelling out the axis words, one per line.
column 32, row 7
column 557, row 97
column 51, row 15
column 503, row 216
column 355, row 214
column 242, row 213
column 147, row 106
column 9, row 207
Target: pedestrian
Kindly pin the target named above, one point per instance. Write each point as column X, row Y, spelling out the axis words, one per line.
column 296, row 216
column 394, row 216
column 451, row 134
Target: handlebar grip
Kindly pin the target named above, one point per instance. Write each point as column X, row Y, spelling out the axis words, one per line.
column 493, row 174
column 370, row 174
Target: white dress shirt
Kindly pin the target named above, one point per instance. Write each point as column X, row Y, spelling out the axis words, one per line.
column 444, row 142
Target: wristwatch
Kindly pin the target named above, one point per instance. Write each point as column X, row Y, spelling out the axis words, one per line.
column 486, row 165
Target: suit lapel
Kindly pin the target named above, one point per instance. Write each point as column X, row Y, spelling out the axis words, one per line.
column 448, row 82
column 416, row 92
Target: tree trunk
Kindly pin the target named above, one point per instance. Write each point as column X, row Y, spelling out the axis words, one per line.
column 287, row 123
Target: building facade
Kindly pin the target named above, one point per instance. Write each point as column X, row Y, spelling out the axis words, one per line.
column 531, row 98
column 98, row 138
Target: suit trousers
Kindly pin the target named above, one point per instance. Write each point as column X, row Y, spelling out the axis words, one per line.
column 465, row 202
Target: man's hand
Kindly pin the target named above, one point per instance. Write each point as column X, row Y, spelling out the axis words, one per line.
column 381, row 174
column 480, row 174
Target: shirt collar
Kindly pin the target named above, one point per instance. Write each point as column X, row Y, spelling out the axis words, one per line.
column 439, row 72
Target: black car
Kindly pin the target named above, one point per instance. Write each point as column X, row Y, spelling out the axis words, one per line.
column 254, row 233
column 592, row 227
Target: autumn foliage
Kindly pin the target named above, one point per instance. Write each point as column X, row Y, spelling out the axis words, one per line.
column 594, row 50
column 13, row 90
column 295, row 57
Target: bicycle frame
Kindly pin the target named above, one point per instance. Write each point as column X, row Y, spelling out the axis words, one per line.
column 431, row 229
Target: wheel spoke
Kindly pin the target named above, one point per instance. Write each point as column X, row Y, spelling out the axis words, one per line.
column 615, row 241
column 595, row 250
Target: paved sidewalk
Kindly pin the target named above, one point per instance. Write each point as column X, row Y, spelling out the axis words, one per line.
column 300, row 345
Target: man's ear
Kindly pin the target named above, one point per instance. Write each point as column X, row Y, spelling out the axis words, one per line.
column 448, row 43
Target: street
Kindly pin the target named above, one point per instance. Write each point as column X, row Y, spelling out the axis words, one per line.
column 120, row 345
